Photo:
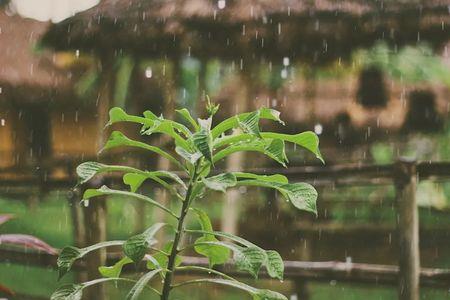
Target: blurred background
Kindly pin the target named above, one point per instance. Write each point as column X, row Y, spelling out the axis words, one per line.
column 371, row 78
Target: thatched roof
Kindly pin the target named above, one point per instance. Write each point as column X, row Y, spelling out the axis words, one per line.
column 26, row 75
column 306, row 29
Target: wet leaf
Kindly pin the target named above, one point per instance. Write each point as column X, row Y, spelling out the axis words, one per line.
column 115, row 270
column 216, row 254
column 274, row 264
column 250, row 123
column 68, row 292
column 203, row 143
column 250, row 259
column 136, row 247
column 220, row 182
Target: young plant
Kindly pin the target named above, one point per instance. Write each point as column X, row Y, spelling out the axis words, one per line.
column 198, row 148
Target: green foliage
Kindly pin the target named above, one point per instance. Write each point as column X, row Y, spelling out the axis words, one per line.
column 197, row 152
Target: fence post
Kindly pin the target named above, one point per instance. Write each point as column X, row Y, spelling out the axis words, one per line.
column 405, row 176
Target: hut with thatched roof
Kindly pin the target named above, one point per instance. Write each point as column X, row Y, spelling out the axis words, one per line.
column 257, row 34
column 315, row 31
column 36, row 123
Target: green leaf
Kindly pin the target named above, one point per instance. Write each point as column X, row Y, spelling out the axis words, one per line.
column 135, row 180
column 268, row 295
column 66, row 259
column 70, row 254
column 216, row 254
column 68, row 292
column 137, row 289
column 118, row 139
column 104, row 190
column 188, row 156
column 220, row 182
column 233, row 122
column 250, row 259
column 230, row 236
column 274, row 264
column 277, row 178
column 115, row 270
column 136, row 247
column 302, row 195
column 177, row 126
column 89, row 169
column 247, row 259
column 250, row 123
column 276, row 151
column 117, row 114
column 203, row 143
column 270, row 114
column 308, row 140
column 203, row 219
column 271, row 148
column 187, row 116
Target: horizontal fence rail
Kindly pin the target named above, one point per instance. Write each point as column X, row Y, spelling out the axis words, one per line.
column 348, row 174
column 294, row 270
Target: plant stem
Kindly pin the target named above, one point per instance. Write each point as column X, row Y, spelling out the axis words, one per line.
column 178, row 234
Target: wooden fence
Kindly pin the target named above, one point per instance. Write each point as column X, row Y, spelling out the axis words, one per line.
column 404, row 174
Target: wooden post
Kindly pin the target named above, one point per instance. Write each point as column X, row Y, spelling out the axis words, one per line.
column 95, row 213
column 408, row 229
column 79, row 233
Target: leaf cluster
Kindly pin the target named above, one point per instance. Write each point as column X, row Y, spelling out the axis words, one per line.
column 198, row 146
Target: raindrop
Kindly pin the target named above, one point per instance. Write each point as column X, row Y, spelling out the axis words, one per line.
column 221, row 4
column 279, row 28
column 86, row 202
column 77, row 53
column 148, row 72
column 286, row 61
column 0, row 90
column 243, row 29
column 2, row 122
column 284, row 73
column 318, row 129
